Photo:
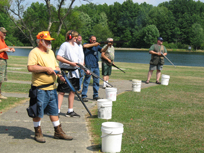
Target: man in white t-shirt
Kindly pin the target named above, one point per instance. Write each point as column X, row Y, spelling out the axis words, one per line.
column 71, row 51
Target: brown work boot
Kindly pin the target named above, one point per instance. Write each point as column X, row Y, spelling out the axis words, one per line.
column 2, row 97
column 59, row 134
column 38, row 135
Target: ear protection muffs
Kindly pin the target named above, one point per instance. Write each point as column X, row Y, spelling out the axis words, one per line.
column 90, row 38
column 69, row 36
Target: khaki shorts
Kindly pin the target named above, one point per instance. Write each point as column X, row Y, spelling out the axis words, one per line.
column 155, row 67
column 3, row 70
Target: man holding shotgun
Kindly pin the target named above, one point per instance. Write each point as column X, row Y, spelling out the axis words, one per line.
column 157, row 59
column 107, row 57
column 71, row 51
column 42, row 63
column 91, row 50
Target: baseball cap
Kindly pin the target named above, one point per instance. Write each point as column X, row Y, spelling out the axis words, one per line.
column 44, row 35
column 160, row 38
column 2, row 29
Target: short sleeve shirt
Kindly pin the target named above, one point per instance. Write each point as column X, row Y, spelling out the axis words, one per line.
column 3, row 45
column 45, row 59
column 71, row 52
column 91, row 56
column 152, row 48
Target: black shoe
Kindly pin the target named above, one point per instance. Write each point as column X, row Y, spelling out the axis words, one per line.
column 157, row 82
column 72, row 114
column 85, row 99
column 96, row 98
column 147, row 82
column 104, row 87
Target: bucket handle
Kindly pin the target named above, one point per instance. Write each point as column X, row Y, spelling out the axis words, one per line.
column 106, row 135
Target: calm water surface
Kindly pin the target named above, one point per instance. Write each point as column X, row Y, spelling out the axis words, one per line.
column 178, row 58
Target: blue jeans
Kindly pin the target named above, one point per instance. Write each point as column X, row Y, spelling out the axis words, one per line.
column 47, row 102
column 81, row 78
column 95, row 83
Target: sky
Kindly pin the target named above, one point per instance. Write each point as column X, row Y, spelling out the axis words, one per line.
column 109, row 2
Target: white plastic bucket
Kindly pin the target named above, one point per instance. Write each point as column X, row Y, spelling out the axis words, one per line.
column 165, row 79
column 111, row 136
column 104, row 108
column 111, row 93
column 136, row 85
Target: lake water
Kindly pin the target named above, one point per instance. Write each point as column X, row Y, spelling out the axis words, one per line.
column 178, row 58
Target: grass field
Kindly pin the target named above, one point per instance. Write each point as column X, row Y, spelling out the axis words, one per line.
column 160, row 118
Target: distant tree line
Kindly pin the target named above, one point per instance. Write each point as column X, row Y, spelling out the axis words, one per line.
column 179, row 22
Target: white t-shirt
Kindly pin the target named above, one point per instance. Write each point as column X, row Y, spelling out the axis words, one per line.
column 72, row 52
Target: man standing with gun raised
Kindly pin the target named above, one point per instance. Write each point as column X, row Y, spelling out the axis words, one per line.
column 91, row 50
column 107, row 57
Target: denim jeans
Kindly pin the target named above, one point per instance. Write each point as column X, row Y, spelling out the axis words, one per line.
column 47, row 102
column 95, row 83
column 81, row 78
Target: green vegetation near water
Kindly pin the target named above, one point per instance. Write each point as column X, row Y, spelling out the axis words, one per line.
column 160, row 118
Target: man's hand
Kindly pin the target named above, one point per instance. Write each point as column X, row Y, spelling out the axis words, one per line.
column 12, row 49
column 159, row 54
column 50, row 71
column 88, row 72
column 62, row 78
column 109, row 60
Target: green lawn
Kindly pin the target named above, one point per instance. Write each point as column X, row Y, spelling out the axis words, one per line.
column 160, row 118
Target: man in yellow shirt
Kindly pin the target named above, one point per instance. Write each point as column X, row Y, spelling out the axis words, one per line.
column 42, row 63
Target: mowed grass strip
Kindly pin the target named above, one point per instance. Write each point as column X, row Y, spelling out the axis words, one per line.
column 15, row 87
column 10, row 102
column 160, row 118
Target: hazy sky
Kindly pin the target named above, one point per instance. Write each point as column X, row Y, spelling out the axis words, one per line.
column 109, row 2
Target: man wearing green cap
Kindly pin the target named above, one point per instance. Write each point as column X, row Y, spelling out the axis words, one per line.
column 3, row 57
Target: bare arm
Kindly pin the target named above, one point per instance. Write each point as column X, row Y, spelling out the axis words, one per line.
column 104, row 57
column 4, row 50
column 40, row 69
column 91, row 45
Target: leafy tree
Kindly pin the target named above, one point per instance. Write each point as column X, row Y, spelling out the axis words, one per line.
column 101, row 32
column 150, row 33
column 163, row 19
column 55, row 16
column 197, row 36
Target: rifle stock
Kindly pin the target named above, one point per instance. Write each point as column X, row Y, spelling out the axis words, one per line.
column 86, row 69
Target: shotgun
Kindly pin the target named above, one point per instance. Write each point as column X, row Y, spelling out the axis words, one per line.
column 73, row 89
column 86, row 69
column 119, row 41
column 112, row 65
column 168, row 59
